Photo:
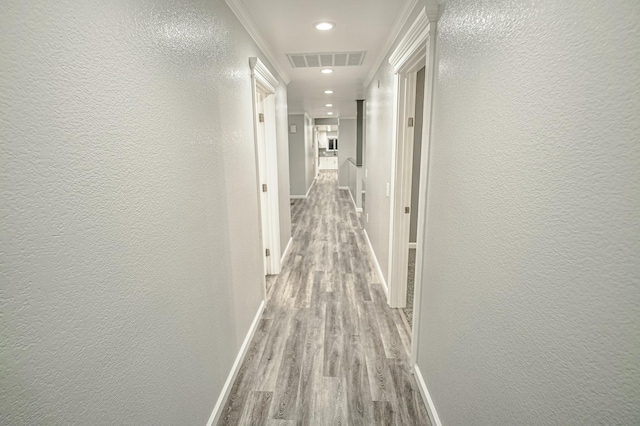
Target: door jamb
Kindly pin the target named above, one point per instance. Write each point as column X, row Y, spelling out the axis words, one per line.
column 263, row 81
column 425, row 167
column 406, row 60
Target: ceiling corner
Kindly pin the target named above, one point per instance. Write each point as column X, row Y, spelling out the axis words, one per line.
column 248, row 23
column 399, row 22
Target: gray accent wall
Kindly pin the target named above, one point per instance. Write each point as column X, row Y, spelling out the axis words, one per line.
column 297, row 156
column 131, row 262
column 531, row 293
column 346, row 148
column 301, row 155
column 417, row 153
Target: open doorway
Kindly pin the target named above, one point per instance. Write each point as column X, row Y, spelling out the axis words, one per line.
column 327, row 146
column 407, row 311
column 412, row 62
column 264, row 108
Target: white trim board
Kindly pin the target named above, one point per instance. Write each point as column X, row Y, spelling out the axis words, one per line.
column 262, row 74
column 406, row 59
column 286, row 250
column 346, row 188
column 302, row 197
column 426, row 397
column 226, row 389
column 263, row 88
column 310, row 186
column 376, row 264
column 249, row 24
column 399, row 22
column 404, row 56
column 412, row 245
column 425, row 166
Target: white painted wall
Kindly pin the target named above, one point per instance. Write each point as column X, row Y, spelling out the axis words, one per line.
column 131, row 266
column 531, row 298
column 346, row 149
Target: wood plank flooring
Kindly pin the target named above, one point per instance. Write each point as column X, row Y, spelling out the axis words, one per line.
column 328, row 349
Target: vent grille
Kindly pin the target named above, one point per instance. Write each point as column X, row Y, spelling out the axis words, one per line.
column 326, row 59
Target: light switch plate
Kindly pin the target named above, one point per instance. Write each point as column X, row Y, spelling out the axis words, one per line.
column 293, row 128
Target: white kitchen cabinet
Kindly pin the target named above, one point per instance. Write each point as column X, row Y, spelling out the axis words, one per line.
column 328, row 163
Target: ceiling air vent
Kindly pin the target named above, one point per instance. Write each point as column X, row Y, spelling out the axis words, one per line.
column 326, row 59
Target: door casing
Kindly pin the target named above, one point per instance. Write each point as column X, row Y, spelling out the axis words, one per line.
column 263, row 100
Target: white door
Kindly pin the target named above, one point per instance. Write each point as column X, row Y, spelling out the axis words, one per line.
column 264, row 107
column 262, row 172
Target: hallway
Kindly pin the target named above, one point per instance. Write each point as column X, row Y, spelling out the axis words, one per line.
column 328, row 350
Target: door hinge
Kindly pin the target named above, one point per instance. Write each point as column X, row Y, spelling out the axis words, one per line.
column 410, row 121
column 261, row 118
column 267, row 252
column 407, row 210
column 264, row 187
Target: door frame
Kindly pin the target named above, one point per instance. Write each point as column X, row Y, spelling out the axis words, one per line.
column 406, row 60
column 263, row 89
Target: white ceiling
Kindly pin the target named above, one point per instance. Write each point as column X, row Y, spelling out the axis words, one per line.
column 286, row 26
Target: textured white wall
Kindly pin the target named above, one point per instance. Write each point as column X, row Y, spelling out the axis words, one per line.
column 130, row 260
column 531, row 300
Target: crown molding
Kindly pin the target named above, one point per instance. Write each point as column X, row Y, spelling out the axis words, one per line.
column 261, row 73
column 415, row 37
column 433, row 8
column 249, row 24
column 399, row 22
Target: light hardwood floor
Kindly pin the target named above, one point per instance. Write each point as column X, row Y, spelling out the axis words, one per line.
column 328, row 350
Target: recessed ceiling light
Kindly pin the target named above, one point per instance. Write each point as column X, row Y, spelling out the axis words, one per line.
column 328, row 92
column 324, row 26
column 329, row 105
column 326, row 71
column 329, row 113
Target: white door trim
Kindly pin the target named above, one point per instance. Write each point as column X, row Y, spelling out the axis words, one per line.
column 408, row 57
column 263, row 87
column 425, row 166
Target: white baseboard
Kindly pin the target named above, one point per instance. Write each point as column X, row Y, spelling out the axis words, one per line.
column 426, row 397
column 226, row 389
column 310, row 186
column 358, row 209
column 297, row 197
column 413, row 245
column 377, row 265
column 286, row 251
